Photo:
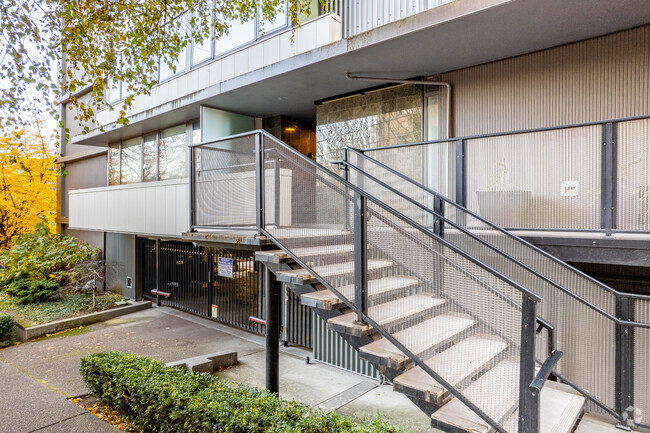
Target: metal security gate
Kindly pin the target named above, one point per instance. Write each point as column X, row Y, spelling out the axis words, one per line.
column 190, row 275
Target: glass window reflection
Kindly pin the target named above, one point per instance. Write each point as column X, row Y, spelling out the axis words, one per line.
column 131, row 161
column 150, row 158
column 171, row 151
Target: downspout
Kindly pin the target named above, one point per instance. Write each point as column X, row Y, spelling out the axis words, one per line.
column 349, row 76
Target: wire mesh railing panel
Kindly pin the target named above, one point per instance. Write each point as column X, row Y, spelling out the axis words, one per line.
column 642, row 363
column 548, row 179
column 318, row 214
column 585, row 335
column 456, row 299
column 364, row 15
column 420, row 292
column 225, row 183
column 429, row 164
column 633, row 205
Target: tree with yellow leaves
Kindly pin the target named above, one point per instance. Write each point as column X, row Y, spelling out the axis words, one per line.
column 27, row 183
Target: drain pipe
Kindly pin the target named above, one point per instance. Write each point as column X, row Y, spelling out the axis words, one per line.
column 349, row 76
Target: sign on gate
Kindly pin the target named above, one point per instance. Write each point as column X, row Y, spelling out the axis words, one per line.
column 225, row 267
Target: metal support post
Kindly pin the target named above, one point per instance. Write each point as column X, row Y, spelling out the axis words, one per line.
column 259, row 182
column 360, row 258
column 276, row 183
column 438, row 223
column 273, row 297
column 608, row 178
column 624, row 361
column 346, row 177
column 529, row 402
column 461, row 180
column 192, row 187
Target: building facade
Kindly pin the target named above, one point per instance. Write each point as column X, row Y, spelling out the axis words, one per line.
column 536, row 115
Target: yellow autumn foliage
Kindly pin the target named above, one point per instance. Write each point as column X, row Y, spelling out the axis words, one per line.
column 27, row 183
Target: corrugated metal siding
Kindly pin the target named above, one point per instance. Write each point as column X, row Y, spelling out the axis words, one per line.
column 602, row 78
column 330, row 348
column 633, row 210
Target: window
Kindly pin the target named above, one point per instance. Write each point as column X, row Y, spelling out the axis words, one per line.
column 171, row 152
column 239, row 34
column 179, row 64
column 279, row 22
column 131, row 161
column 114, row 164
column 150, row 158
column 203, row 51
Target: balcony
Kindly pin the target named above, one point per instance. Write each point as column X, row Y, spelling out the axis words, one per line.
column 152, row 208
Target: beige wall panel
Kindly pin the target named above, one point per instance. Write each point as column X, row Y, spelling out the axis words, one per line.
column 597, row 79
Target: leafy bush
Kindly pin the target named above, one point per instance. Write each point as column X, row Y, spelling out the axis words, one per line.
column 26, row 291
column 40, row 262
column 6, row 330
column 163, row 399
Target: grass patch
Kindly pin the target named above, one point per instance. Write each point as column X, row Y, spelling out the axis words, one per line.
column 60, row 307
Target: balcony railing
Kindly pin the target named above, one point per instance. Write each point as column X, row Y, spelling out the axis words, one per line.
column 363, row 15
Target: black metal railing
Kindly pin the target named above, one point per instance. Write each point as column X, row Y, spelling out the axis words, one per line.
column 507, row 308
column 617, row 309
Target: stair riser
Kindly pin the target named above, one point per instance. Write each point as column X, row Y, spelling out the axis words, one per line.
column 375, row 299
column 440, row 398
column 404, row 362
column 316, row 241
column 391, row 327
column 337, row 280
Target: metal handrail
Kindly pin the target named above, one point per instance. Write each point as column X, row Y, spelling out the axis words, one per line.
column 516, row 132
column 409, row 221
column 528, row 294
column 490, row 224
column 432, row 212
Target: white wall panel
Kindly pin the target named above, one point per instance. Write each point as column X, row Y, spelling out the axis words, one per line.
column 156, row 208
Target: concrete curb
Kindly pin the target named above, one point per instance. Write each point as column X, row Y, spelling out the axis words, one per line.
column 26, row 334
column 206, row 363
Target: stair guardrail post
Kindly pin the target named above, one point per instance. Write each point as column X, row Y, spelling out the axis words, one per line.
column 438, row 223
column 624, row 360
column 192, row 187
column 461, row 178
column 259, row 181
column 346, row 177
column 609, row 173
column 529, row 401
column 273, row 297
column 360, row 258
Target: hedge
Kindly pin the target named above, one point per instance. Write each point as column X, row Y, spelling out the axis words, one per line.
column 162, row 399
column 7, row 335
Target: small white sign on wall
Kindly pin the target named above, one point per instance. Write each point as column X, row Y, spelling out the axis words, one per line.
column 570, row 188
column 225, row 267
column 215, row 311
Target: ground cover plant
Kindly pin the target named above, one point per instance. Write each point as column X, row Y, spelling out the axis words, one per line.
column 60, row 306
column 162, row 399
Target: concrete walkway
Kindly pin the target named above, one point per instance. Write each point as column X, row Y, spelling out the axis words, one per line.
column 37, row 378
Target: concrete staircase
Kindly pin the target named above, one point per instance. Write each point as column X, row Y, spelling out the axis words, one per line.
column 449, row 341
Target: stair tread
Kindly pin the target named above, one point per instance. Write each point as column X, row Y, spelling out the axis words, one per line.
column 375, row 287
column 594, row 422
column 393, row 310
column 495, row 404
column 280, row 256
column 560, row 408
column 327, row 271
column 431, row 332
column 454, row 365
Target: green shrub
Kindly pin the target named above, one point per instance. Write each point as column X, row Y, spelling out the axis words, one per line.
column 6, row 330
column 27, row 291
column 163, row 399
column 43, row 255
